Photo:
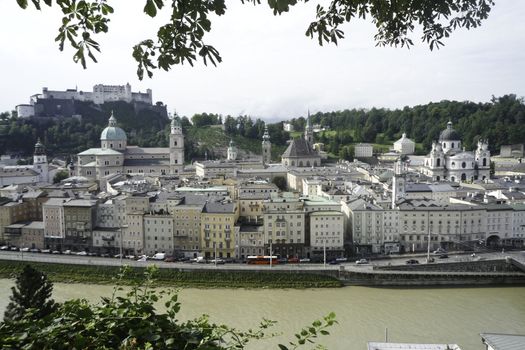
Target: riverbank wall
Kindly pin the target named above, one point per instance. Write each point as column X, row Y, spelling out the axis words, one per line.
column 174, row 277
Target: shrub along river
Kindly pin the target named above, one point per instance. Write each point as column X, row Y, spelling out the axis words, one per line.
column 432, row 315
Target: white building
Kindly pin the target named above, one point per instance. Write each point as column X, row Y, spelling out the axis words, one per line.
column 327, row 230
column 447, row 160
column 363, row 150
column 404, row 145
column 288, row 127
column 158, row 234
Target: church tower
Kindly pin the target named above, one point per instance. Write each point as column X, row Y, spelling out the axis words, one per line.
column 266, row 147
column 483, row 160
column 308, row 131
column 398, row 181
column 40, row 162
column 232, row 151
column 176, row 147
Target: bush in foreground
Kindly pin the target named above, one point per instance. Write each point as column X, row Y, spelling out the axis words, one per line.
column 132, row 322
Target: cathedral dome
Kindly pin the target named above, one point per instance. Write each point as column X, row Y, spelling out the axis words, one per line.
column 449, row 134
column 112, row 132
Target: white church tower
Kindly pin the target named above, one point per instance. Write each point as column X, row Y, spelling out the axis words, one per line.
column 483, row 160
column 232, row 151
column 266, row 146
column 176, row 147
column 308, row 131
column 398, row 181
column 40, row 162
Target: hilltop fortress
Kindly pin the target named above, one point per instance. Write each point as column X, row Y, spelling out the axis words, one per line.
column 61, row 103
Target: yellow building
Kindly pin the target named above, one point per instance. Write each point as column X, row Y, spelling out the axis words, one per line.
column 218, row 229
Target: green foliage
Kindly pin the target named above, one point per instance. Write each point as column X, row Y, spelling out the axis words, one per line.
column 60, row 175
column 131, row 321
column 175, row 277
column 181, row 39
column 31, row 296
column 423, row 123
column 280, row 182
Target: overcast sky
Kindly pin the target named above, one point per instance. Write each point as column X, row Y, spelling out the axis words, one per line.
column 270, row 69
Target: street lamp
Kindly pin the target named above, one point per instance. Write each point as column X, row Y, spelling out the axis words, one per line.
column 215, row 253
column 271, row 254
column 324, row 253
column 121, row 239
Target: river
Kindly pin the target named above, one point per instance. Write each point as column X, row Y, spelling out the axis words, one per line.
column 431, row 315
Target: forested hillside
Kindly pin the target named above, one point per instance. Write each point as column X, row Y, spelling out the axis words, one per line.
column 501, row 121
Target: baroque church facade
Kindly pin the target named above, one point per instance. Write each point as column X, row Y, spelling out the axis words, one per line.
column 448, row 161
column 115, row 156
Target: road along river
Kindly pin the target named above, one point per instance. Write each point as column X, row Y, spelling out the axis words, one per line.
column 446, row 315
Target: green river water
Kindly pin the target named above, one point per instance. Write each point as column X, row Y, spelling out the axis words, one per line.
column 431, row 315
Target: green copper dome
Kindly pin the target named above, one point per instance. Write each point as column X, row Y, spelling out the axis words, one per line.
column 112, row 132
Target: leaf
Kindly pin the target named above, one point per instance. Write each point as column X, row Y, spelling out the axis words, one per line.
column 22, row 3
column 150, row 9
column 283, row 347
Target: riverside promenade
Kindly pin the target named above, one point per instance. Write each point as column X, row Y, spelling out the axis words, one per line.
column 486, row 270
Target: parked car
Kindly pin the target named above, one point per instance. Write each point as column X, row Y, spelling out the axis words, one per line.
column 56, row 252
column 361, row 262
column 131, row 257
column 46, row 251
column 282, row 260
column 304, row 260
column 293, row 260
column 219, row 261
column 82, row 253
column 412, row 262
column 341, row 259
column 142, row 258
column 34, row 250
column 170, row 259
column 105, row 255
column 199, row 260
column 443, row 256
column 4, row 247
column 13, row 248
column 25, row 249
column 439, row 251
column 117, row 256
column 430, row 260
column 159, row 256
column 334, row 262
column 68, row 252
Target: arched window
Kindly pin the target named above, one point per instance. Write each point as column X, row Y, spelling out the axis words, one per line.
column 453, row 178
column 452, row 145
column 444, row 145
column 438, row 162
column 437, row 178
column 307, row 163
column 463, row 165
column 293, row 163
column 300, row 163
column 463, row 177
column 453, row 164
column 484, row 161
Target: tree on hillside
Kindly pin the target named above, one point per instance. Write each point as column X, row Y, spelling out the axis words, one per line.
column 181, row 39
column 280, row 182
column 31, row 295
